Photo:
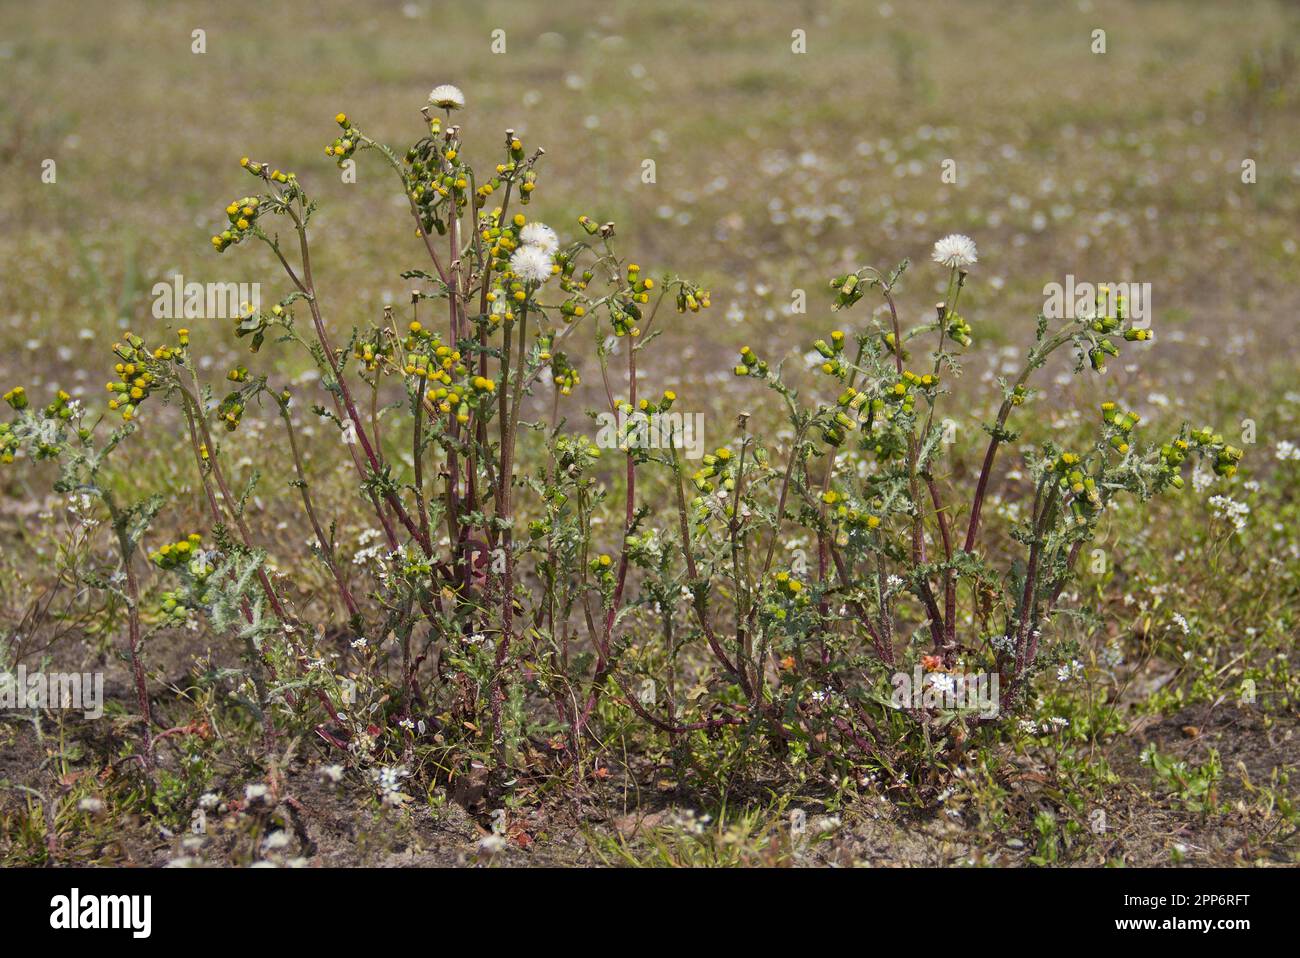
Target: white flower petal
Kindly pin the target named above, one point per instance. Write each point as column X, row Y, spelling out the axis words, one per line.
column 446, row 97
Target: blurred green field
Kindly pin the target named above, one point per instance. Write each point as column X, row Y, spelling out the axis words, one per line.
column 774, row 171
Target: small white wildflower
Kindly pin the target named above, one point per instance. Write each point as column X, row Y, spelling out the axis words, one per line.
column 368, row 554
column 1202, row 478
column 955, row 251
column 825, row 824
column 92, row 805
column 330, row 773
column 1230, row 509
column 359, row 642
column 823, row 696
column 1003, row 643
column 943, row 683
column 1071, row 669
column 540, row 235
column 1182, row 623
column 209, row 801
column 1287, row 451
column 255, row 792
column 387, row 779
column 491, row 844
column 689, row 821
column 532, row 264
column 1112, row 656
column 275, row 840
column 446, row 97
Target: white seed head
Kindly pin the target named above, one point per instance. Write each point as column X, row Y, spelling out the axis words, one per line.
column 955, row 251
column 532, row 264
column 541, row 235
column 447, row 97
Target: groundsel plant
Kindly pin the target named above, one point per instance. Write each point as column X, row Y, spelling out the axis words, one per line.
column 865, row 475
column 529, row 587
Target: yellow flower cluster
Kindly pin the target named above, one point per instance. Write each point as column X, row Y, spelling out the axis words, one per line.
column 844, row 511
column 61, row 408
column 242, row 214
column 528, row 183
column 502, row 238
column 176, row 554
column 571, row 281
column 17, row 398
column 135, row 378
column 625, row 307
column 693, row 298
column 1226, row 457
column 789, row 585
column 750, row 364
column 563, row 373
column 1123, row 422
column 716, row 466
column 343, row 146
column 832, row 353
column 230, row 411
